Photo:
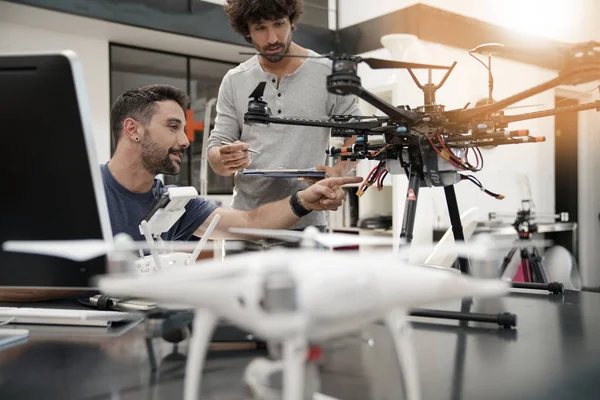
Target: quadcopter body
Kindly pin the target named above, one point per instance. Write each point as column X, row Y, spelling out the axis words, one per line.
column 308, row 297
column 434, row 143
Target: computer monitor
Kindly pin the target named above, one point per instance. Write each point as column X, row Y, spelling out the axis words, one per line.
column 51, row 183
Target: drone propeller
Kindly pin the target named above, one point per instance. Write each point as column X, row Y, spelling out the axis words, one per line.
column 83, row 250
column 325, row 55
column 259, row 91
column 312, row 234
column 375, row 63
column 481, row 248
column 488, row 48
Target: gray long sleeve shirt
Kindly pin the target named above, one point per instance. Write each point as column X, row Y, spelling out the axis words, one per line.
column 300, row 94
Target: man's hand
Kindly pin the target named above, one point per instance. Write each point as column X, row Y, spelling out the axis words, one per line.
column 234, row 157
column 326, row 194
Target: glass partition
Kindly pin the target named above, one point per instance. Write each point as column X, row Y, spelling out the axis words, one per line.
column 132, row 67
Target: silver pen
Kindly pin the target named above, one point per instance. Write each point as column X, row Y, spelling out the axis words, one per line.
column 250, row 150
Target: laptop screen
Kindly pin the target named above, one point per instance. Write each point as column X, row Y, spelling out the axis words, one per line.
column 51, row 183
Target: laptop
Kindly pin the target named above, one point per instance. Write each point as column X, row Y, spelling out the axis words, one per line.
column 53, row 187
column 52, row 184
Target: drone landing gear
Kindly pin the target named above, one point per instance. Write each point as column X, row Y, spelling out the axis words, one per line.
column 534, row 272
column 505, row 320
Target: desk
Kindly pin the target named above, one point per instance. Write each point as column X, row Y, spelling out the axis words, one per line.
column 555, row 346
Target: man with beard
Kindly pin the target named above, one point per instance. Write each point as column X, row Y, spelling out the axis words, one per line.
column 296, row 86
column 148, row 125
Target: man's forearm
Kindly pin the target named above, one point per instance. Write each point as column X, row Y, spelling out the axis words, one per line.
column 276, row 215
column 215, row 162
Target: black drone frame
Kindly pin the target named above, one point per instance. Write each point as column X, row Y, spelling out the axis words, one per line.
column 416, row 137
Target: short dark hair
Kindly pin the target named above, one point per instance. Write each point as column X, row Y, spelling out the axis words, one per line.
column 139, row 104
column 242, row 12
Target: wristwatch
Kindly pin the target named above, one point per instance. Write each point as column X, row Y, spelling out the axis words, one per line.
column 297, row 207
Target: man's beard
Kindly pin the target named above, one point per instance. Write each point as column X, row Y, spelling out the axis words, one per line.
column 283, row 50
column 155, row 160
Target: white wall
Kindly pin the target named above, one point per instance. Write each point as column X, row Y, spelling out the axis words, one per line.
column 567, row 21
column 589, row 191
column 24, row 28
column 94, row 56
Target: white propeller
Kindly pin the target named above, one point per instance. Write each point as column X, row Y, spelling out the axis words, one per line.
column 312, row 234
column 480, row 247
column 82, row 250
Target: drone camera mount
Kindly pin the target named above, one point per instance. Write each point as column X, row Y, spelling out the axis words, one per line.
column 279, row 292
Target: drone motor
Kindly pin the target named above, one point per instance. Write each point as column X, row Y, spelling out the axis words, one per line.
column 344, row 77
column 258, row 113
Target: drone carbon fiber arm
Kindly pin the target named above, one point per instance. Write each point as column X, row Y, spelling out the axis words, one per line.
column 397, row 114
column 358, row 126
column 548, row 113
column 576, row 75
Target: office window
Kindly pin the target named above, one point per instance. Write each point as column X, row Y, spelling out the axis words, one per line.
column 134, row 67
column 317, row 13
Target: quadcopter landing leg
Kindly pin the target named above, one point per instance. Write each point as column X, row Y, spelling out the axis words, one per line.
column 457, row 228
column 534, row 260
column 401, row 332
column 410, row 208
column 204, row 323
column 506, row 320
column 294, row 356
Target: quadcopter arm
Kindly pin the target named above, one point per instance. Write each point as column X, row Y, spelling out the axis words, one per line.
column 547, row 113
column 397, row 114
column 469, row 114
column 356, row 127
column 572, row 76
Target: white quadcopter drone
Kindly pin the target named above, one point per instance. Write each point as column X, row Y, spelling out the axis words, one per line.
column 293, row 297
column 289, row 297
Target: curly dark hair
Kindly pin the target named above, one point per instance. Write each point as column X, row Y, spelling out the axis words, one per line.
column 139, row 104
column 243, row 12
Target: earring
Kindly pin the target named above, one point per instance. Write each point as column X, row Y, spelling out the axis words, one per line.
column 137, row 138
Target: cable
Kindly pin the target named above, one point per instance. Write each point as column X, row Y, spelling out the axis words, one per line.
column 373, row 177
column 477, row 183
column 482, row 63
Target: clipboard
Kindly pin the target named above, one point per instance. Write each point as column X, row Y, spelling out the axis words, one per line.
column 285, row 173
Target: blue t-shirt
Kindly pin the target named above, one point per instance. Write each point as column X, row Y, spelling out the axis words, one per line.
column 127, row 209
